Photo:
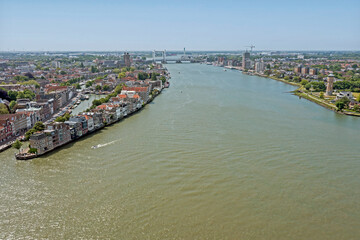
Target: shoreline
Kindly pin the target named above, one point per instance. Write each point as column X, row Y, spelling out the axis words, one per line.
column 308, row 97
column 32, row 156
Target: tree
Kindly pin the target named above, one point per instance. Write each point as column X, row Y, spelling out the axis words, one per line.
column 340, row 105
column 12, row 95
column 12, row 105
column 163, row 79
column 89, row 84
column 98, row 88
column 346, row 101
column 304, row 82
column 106, row 88
column 356, row 108
column 296, row 79
column 307, row 86
column 32, row 150
column 93, row 69
column 122, row 75
column 321, row 95
column 153, row 76
column 358, row 98
column 142, row 75
column 39, row 126
column 17, row 144
column 3, row 109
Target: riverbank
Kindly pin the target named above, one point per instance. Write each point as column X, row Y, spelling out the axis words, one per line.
column 27, row 156
column 310, row 97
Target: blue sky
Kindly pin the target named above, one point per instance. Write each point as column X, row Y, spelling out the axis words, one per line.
column 197, row 25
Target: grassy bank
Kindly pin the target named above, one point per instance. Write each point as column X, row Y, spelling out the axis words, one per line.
column 300, row 92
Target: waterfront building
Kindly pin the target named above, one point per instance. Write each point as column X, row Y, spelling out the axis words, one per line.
column 259, row 67
column 246, row 60
column 82, row 120
column 60, row 133
column 42, row 141
column 6, row 129
column 75, row 129
column 330, row 84
column 143, row 92
column 18, row 121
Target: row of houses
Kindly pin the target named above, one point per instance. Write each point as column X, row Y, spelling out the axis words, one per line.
column 13, row 125
column 130, row 100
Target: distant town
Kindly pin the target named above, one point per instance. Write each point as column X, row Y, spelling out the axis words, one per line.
column 331, row 79
column 40, row 90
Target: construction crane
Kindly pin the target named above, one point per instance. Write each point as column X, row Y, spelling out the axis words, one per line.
column 251, row 47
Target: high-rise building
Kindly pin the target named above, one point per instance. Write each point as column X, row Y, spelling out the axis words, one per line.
column 127, row 59
column 246, row 60
column 313, row 71
column 259, row 67
column 305, row 70
column 298, row 69
column 330, row 84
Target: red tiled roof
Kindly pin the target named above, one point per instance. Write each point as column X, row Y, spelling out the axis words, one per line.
column 136, row 89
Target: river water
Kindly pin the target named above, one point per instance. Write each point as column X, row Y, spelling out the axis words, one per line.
column 218, row 155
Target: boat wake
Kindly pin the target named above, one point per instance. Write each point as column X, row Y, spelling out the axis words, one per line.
column 103, row 145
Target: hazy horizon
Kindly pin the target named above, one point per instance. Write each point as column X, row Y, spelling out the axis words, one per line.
column 197, row 25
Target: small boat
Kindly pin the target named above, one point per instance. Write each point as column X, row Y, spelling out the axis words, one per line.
column 95, row 146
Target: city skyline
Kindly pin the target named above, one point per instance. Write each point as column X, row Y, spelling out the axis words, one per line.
column 200, row 25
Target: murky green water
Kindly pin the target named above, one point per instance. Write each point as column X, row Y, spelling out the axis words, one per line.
column 219, row 155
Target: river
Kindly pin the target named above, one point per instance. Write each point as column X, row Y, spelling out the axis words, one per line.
column 218, row 155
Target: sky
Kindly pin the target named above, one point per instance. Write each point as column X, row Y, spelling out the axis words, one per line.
column 109, row 25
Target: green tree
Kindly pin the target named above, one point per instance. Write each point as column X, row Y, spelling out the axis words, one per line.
column 163, row 79
column 307, row 86
column 153, row 77
column 3, row 109
column 17, row 144
column 32, row 150
column 340, row 105
column 322, row 95
column 304, row 82
column 77, row 86
column 13, row 95
column 296, row 79
column 356, row 108
column 93, row 69
column 106, row 88
column 12, row 105
column 89, row 84
column 122, row 75
column 39, row 126
column 142, row 75
column 98, row 88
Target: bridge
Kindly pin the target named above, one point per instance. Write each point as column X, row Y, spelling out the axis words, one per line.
column 170, row 59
